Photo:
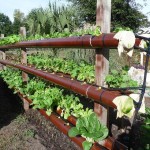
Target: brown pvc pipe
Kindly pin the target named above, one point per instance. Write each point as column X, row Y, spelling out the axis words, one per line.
column 98, row 95
column 109, row 142
column 87, row 41
column 62, row 126
column 71, row 119
column 106, row 143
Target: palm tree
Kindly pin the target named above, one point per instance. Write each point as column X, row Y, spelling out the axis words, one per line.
column 50, row 20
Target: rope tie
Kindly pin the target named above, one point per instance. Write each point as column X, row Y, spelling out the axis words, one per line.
column 91, row 41
column 88, row 90
column 102, row 94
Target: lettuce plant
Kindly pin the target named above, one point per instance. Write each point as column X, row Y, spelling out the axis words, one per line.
column 90, row 128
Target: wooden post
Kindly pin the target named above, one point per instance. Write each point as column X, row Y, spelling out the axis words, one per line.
column 2, row 35
column 24, row 61
column 23, row 54
column 22, row 32
column 3, row 54
column 103, row 19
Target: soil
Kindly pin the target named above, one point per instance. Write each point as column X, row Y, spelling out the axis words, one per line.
column 29, row 130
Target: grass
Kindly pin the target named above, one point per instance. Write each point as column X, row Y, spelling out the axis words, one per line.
column 30, row 133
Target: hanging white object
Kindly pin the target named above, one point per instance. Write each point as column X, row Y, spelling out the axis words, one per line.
column 126, row 42
column 143, row 45
column 125, row 106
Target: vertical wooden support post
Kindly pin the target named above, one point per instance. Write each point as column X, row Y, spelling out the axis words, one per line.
column 3, row 54
column 103, row 18
column 2, row 35
column 23, row 53
column 24, row 61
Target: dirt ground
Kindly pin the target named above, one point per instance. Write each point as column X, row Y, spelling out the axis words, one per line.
column 29, row 130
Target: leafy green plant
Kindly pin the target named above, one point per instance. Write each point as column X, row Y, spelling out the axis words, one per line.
column 17, row 38
column 119, row 28
column 120, row 79
column 13, row 78
column 46, row 99
column 51, row 97
column 81, row 71
column 10, row 40
column 90, row 128
column 71, row 105
column 125, row 106
column 45, row 96
column 32, row 86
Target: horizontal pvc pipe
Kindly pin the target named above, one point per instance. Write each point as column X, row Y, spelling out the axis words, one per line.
column 98, row 95
column 109, row 142
column 87, row 41
column 62, row 126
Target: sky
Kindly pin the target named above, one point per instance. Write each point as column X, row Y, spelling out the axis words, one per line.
column 146, row 8
column 8, row 6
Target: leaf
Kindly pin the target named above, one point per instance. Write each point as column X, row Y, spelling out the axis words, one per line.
column 90, row 127
column 80, row 123
column 104, row 130
column 86, row 145
column 73, row 132
column 124, row 105
column 94, row 123
column 128, row 106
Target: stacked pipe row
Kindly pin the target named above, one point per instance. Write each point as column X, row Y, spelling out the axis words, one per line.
column 98, row 95
column 109, row 142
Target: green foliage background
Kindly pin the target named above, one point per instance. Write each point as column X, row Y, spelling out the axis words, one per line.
column 125, row 13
